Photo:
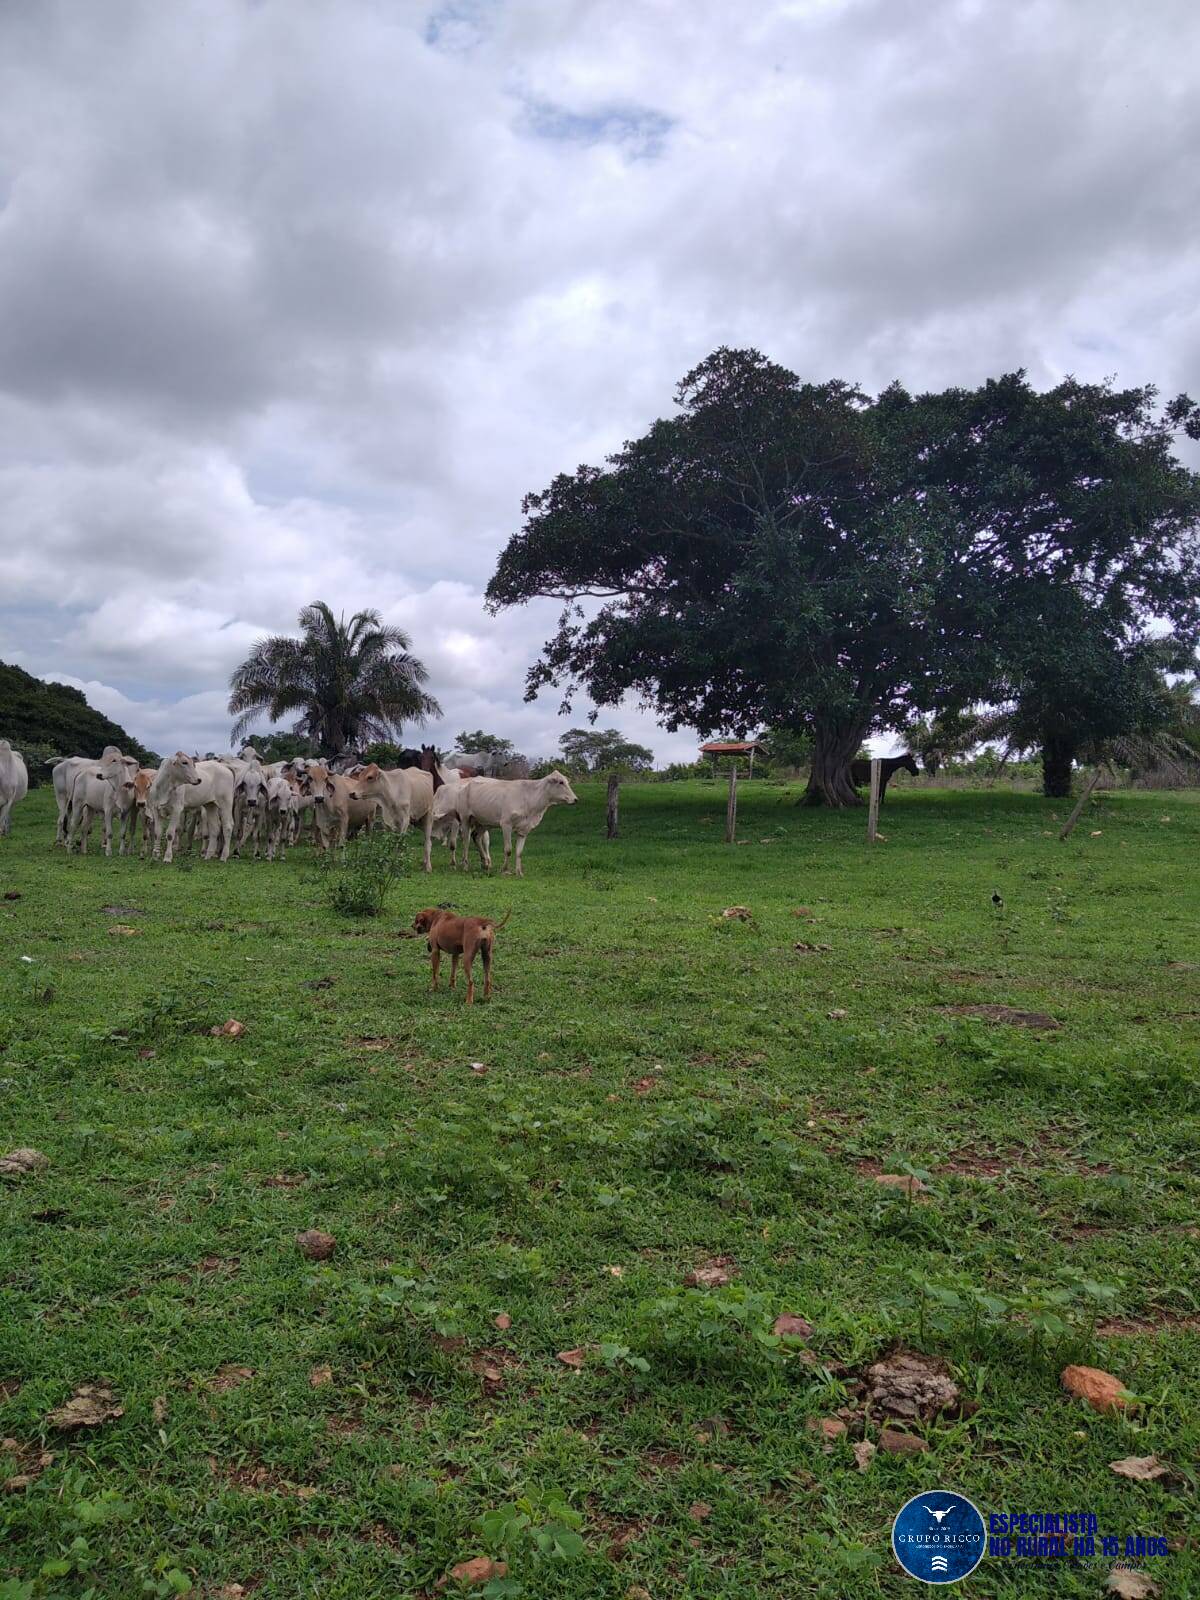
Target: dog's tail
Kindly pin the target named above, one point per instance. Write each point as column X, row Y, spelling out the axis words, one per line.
column 496, row 926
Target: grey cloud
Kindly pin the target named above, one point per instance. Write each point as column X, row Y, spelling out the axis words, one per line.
column 299, row 301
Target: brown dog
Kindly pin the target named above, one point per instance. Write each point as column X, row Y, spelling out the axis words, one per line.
column 460, row 936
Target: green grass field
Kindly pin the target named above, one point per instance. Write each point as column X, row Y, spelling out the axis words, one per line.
column 665, row 1090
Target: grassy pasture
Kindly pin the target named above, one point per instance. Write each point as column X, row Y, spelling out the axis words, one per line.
column 664, row 1089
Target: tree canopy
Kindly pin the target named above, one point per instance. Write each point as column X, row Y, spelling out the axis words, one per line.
column 279, row 746
column 56, row 718
column 481, row 743
column 600, row 750
column 349, row 681
column 805, row 557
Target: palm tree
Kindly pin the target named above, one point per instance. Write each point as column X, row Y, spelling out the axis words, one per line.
column 348, row 680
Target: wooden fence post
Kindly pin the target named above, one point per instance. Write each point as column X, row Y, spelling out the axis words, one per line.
column 614, row 793
column 1079, row 805
column 731, row 808
column 873, row 808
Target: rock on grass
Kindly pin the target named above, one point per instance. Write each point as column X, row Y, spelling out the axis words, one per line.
column 20, row 1163
column 90, row 1405
column 315, row 1245
column 1100, row 1389
column 912, row 1386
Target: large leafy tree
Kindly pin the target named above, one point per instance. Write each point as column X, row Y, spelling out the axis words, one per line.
column 803, row 557
column 1084, row 531
column 349, row 681
column 757, row 559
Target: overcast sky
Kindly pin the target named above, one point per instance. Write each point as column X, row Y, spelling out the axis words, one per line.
column 298, row 298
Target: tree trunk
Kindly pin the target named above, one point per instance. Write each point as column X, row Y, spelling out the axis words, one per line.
column 1057, row 757
column 614, row 801
column 834, row 748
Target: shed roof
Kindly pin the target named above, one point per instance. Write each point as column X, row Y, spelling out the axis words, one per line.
column 727, row 747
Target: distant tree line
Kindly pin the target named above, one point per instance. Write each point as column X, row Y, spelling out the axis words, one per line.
column 816, row 560
column 46, row 721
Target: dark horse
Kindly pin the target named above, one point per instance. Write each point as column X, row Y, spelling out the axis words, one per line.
column 860, row 771
column 426, row 759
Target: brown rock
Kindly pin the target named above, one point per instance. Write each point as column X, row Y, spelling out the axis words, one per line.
column 503, row 1321
column 789, row 1327
column 572, row 1358
column 864, row 1454
column 893, row 1180
column 480, row 1569
column 1143, row 1469
column 20, row 1163
column 714, row 1276
column 830, row 1429
column 1100, row 1389
column 895, row 1443
column 314, row 1244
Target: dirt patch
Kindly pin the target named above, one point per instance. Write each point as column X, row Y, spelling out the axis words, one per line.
column 971, row 1164
column 343, row 1427
column 1040, row 1020
column 1144, row 1327
column 259, row 1480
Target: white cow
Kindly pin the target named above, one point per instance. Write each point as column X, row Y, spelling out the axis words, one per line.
column 476, row 763
column 405, row 796
column 514, row 805
column 100, row 791
column 14, row 783
column 204, row 786
column 445, row 818
column 337, row 807
column 249, row 800
column 111, row 761
column 282, row 805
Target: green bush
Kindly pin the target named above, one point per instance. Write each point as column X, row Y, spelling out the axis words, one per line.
column 356, row 884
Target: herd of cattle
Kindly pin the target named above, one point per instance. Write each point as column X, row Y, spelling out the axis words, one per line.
column 243, row 805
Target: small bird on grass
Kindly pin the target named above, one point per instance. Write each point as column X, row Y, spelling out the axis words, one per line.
column 996, row 900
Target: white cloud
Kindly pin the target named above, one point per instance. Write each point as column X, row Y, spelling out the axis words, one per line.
column 297, row 302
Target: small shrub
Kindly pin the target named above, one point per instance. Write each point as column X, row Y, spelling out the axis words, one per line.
column 357, row 885
column 711, row 1327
